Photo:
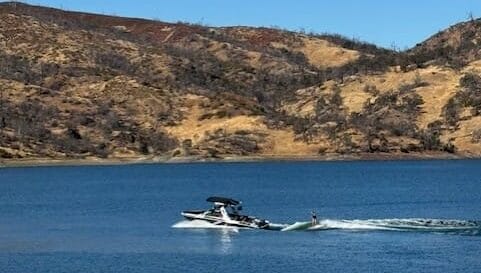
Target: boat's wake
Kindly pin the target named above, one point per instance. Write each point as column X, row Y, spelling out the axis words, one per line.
column 406, row 225
column 401, row 225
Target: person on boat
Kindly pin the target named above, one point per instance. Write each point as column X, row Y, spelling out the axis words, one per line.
column 313, row 218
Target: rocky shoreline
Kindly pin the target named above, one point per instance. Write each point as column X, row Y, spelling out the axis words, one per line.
column 38, row 162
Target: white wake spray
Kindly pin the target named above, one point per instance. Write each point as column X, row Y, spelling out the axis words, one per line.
column 415, row 224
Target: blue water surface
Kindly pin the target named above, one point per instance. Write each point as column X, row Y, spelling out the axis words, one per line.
column 119, row 218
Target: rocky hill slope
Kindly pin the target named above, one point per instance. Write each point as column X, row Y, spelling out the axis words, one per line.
column 76, row 85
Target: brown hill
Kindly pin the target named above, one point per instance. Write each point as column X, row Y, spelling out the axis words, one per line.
column 456, row 46
column 76, row 85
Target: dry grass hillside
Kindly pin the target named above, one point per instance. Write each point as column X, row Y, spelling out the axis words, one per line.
column 76, row 85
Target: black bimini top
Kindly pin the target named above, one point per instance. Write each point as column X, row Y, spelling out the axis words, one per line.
column 224, row 200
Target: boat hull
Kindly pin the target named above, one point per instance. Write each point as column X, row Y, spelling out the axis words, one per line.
column 252, row 223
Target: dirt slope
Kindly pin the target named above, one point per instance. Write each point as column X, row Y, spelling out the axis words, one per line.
column 76, row 85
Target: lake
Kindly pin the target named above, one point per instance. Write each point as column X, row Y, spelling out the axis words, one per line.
column 393, row 216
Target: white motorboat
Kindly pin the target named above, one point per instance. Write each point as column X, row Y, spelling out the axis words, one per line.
column 226, row 212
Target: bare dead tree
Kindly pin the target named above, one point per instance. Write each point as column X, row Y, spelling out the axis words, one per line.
column 471, row 16
column 8, row 39
column 2, row 117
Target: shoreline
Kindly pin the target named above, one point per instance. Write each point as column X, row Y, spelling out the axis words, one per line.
column 49, row 162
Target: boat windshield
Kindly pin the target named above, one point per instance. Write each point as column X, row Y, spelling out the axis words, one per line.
column 232, row 210
column 229, row 208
